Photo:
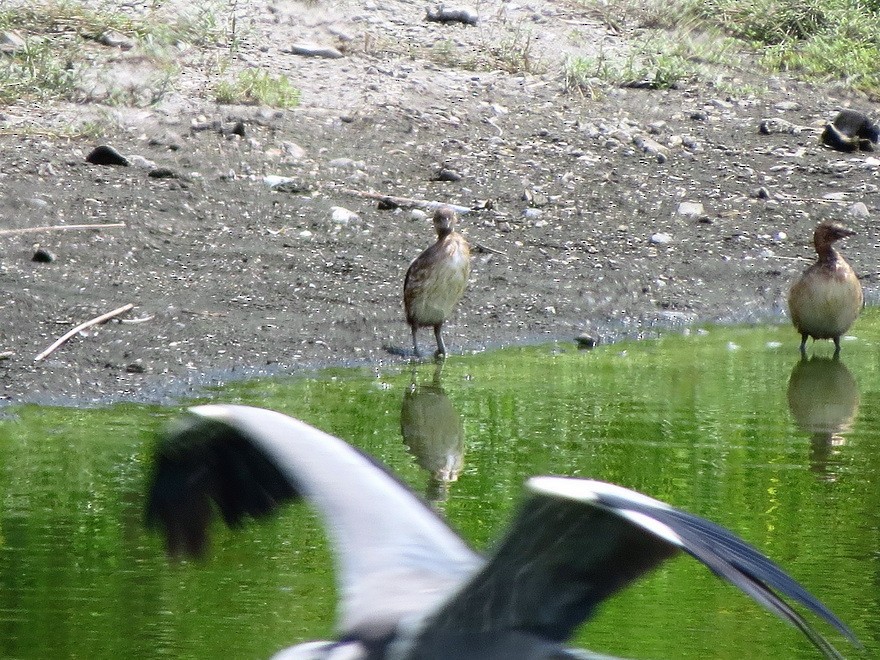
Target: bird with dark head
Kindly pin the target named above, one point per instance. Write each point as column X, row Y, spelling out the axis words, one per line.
column 410, row 587
column 828, row 297
column 435, row 281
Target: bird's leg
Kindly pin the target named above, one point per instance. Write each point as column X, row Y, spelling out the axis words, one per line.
column 836, row 347
column 804, row 344
column 415, row 342
column 441, row 347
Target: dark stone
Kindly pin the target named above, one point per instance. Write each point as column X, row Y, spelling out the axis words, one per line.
column 106, row 155
column 443, row 14
column 446, row 174
column 851, row 131
column 43, row 256
column 586, row 342
column 162, row 173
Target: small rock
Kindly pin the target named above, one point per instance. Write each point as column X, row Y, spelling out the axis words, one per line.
column 699, row 115
column 343, row 216
column 652, row 147
column 162, row 173
column 314, row 50
column 11, row 42
column 116, row 39
column 293, row 151
column 287, row 184
column 136, row 368
column 442, row 14
column 661, row 238
column 762, row 193
column 532, row 213
column 347, row 164
column 586, row 341
column 858, row 210
column 106, row 155
column 446, row 174
column 417, row 214
column 690, row 209
column 141, row 162
column 776, row 125
column 787, row 106
column 43, row 256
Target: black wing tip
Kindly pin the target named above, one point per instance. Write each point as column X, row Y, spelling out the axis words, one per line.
column 723, row 552
column 204, row 465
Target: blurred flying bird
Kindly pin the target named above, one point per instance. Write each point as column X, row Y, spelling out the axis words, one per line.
column 410, row 587
column 828, row 297
column 435, row 281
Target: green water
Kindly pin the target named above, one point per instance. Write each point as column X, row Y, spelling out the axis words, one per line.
column 708, row 421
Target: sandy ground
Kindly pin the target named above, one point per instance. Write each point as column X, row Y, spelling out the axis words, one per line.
column 615, row 212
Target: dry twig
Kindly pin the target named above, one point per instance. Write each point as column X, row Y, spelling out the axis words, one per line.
column 404, row 202
column 82, row 326
column 34, row 230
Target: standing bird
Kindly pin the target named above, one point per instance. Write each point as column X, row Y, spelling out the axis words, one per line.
column 827, row 298
column 435, row 281
column 409, row 586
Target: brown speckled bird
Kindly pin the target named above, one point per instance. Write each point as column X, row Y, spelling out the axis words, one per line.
column 827, row 298
column 435, row 281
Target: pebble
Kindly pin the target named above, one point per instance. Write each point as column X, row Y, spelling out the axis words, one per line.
column 690, row 209
column 141, row 162
column 532, row 213
column 116, row 39
column 661, row 238
column 11, row 42
column 418, row 214
column 858, row 210
column 652, row 147
column 314, row 50
column 343, row 216
column 787, row 106
column 446, row 174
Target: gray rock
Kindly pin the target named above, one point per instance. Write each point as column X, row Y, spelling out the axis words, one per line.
column 787, row 106
column 661, row 238
column 116, row 39
column 11, row 42
column 690, row 209
column 858, row 210
column 314, row 50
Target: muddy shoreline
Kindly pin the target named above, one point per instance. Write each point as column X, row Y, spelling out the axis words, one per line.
column 615, row 214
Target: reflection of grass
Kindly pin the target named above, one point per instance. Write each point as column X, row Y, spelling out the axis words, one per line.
column 60, row 45
column 255, row 86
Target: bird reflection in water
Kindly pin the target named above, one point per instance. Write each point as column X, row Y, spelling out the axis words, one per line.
column 433, row 431
column 823, row 398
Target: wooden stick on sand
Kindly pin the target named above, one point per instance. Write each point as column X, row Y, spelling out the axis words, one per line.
column 81, row 327
column 34, row 230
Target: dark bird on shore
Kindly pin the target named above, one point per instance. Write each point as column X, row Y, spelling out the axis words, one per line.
column 828, row 297
column 410, row 587
column 435, row 281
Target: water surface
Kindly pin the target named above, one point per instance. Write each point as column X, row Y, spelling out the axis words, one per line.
column 726, row 423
